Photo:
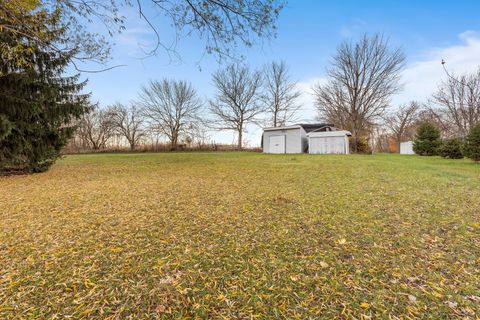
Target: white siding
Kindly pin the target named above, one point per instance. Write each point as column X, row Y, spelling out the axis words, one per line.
column 328, row 142
column 325, row 145
column 295, row 139
column 277, row 144
column 406, row 147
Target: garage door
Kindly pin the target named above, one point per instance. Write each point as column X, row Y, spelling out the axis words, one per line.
column 277, row 144
column 323, row 145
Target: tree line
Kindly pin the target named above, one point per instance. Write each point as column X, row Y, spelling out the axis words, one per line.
column 41, row 107
column 173, row 109
column 362, row 79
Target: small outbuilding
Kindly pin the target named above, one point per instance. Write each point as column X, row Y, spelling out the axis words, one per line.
column 329, row 142
column 300, row 138
column 406, row 147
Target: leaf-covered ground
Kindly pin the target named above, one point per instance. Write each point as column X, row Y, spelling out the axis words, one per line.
column 242, row 235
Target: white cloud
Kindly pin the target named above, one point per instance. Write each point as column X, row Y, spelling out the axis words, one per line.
column 137, row 39
column 421, row 78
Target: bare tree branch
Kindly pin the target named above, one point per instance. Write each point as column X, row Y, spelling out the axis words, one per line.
column 128, row 121
column 170, row 106
column 403, row 120
column 363, row 77
column 95, row 129
column 459, row 98
column 280, row 95
column 236, row 102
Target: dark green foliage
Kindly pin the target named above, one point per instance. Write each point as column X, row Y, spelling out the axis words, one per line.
column 37, row 106
column 361, row 146
column 451, row 148
column 472, row 145
column 427, row 140
column 5, row 127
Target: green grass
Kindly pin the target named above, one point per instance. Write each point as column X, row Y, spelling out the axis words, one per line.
column 241, row 235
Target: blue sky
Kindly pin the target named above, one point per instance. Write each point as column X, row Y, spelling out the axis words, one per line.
column 308, row 33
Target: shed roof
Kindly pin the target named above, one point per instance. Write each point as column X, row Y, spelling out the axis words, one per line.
column 334, row 133
column 308, row 127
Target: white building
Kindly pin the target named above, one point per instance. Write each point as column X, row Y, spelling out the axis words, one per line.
column 329, row 142
column 321, row 137
column 406, row 147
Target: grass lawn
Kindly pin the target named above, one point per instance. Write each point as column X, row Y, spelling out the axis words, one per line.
column 242, row 235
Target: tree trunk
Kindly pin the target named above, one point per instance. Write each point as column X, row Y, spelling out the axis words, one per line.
column 240, row 138
column 354, row 141
column 174, row 141
column 399, row 141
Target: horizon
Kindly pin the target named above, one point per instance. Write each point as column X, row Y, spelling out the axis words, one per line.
column 425, row 44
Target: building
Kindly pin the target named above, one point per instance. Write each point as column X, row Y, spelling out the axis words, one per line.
column 329, row 142
column 295, row 139
column 406, row 147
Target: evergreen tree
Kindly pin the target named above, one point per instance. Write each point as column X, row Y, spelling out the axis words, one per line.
column 472, row 145
column 451, row 148
column 427, row 139
column 37, row 103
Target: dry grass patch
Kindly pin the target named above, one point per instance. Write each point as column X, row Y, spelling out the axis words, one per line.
column 241, row 235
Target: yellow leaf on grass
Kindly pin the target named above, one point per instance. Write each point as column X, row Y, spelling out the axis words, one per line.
column 365, row 305
column 86, row 312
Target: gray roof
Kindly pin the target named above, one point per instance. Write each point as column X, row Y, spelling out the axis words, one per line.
column 308, row 127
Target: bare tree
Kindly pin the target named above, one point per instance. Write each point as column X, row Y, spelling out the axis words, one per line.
column 170, row 106
column 459, row 99
column 236, row 101
column 402, row 120
column 439, row 118
column 280, row 96
column 223, row 25
column 197, row 133
column 95, row 128
column 362, row 79
column 380, row 139
column 128, row 122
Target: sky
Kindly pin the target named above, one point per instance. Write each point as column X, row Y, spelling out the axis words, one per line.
column 309, row 32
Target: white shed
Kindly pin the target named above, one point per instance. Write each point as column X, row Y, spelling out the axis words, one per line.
column 289, row 139
column 406, row 147
column 325, row 142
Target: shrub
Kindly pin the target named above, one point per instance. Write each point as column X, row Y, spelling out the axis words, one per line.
column 451, row 148
column 427, row 139
column 472, row 144
column 362, row 146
